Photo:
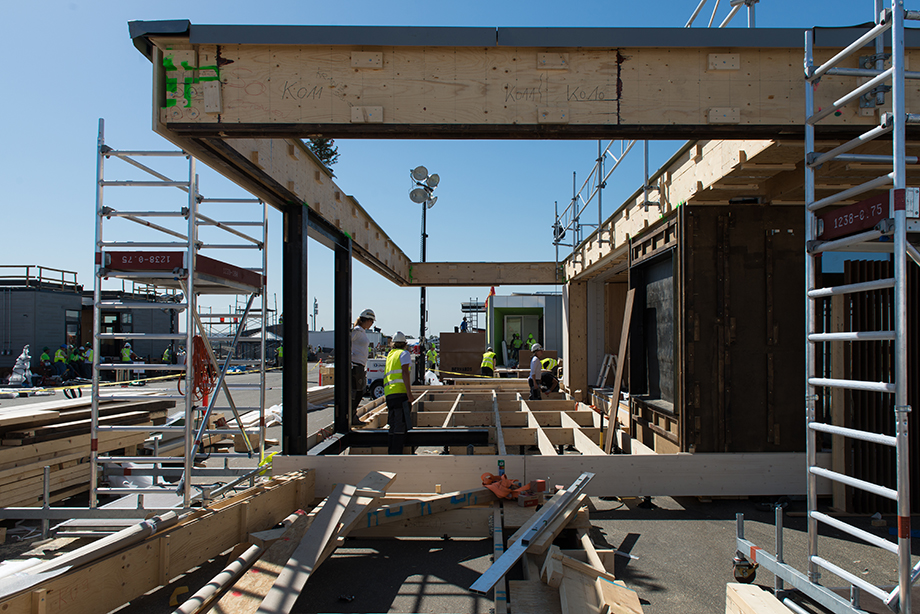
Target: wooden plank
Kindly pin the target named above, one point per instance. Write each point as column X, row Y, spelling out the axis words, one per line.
column 358, row 507
column 245, row 596
column 621, row 364
column 692, row 475
column 543, row 443
column 287, row 586
column 617, row 598
column 499, row 436
column 131, row 572
column 483, row 273
column 429, row 506
column 751, row 599
column 552, row 531
column 579, row 567
column 453, row 408
column 578, row 594
column 583, row 443
column 413, row 473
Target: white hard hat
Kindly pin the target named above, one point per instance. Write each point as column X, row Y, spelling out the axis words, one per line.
column 536, row 347
column 369, row 314
column 127, row 345
column 489, row 348
column 399, row 337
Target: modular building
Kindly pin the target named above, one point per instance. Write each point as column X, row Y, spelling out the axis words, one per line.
column 39, row 306
column 537, row 315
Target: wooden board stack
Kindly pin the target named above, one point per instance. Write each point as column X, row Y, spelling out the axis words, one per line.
column 56, row 434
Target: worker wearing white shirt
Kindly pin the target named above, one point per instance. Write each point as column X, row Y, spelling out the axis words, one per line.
column 359, row 343
column 536, row 371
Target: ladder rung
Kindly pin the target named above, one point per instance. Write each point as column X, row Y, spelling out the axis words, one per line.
column 147, row 184
column 819, row 247
column 887, row 440
column 129, row 366
column 144, row 244
column 244, row 386
column 852, row 579
column 854, row 191
column 865, row 335
column 851, row 384
column 139, row 305
column 846, row 527
column 879, row 284
column 875, row 489
column 114, row 213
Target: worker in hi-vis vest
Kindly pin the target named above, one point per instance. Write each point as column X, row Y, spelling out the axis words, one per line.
column 549, row 364
column 487, row 367
column 60, row 360
column 432, row 357
column 398, row 391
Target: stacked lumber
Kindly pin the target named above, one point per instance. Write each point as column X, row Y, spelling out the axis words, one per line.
column 56, row 434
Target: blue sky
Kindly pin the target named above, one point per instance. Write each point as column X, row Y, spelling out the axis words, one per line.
column 495, row 198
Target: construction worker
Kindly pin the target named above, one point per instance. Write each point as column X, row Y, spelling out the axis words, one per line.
column 127, row 355
column 359, row 345
column 530, row 340
column 60, row 360
column 432, row 357
column 45, row 362
column 397, row 389
column 548, row 382
column 88, row 362
column 487, row 368
column 516, row 345
column 549, row 364
column 535, row 377
column 464, row 326
column 279, row 356
column 167, row 355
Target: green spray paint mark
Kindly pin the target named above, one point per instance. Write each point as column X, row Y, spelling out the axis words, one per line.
column 168, row 63
column 185, row 66
column 345, row 232
column 410, row 273
column 172, row 85
column 170, row 103
column 187, row 92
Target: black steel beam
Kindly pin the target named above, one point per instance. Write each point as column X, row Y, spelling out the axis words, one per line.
column 295, row 334
column 342, row 323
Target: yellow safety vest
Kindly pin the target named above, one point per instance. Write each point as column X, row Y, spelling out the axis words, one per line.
column 549, row 363
column 59, row 356
column 126, row 354
column 488, row 360
column 393, row 377
column 88, row 357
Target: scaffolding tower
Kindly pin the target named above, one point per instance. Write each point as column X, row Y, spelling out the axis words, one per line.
column 177, row 265
column 875, row 224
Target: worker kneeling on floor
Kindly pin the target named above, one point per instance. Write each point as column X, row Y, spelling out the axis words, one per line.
column 398, row 392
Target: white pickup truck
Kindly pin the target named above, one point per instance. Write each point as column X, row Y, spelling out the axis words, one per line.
column 376, row 369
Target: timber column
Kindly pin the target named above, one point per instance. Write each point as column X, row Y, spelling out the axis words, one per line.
column 575, row 337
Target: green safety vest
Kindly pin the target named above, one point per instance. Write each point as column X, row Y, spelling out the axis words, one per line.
column 166, row 355
column 393, row 376
column 280, row 351
column 45, row 357
column 488, row 360
column 126, row 354
column 59, row 356
column 74, row 357
column 432, row 356
column 549, row 363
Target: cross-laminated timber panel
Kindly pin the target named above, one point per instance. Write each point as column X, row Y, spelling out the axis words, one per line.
column 617, row 475
column 488, row 83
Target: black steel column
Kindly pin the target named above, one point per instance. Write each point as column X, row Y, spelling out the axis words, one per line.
column 343, row 325
column 295, row 333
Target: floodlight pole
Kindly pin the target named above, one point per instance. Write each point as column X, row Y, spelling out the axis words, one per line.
column 420, row 368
